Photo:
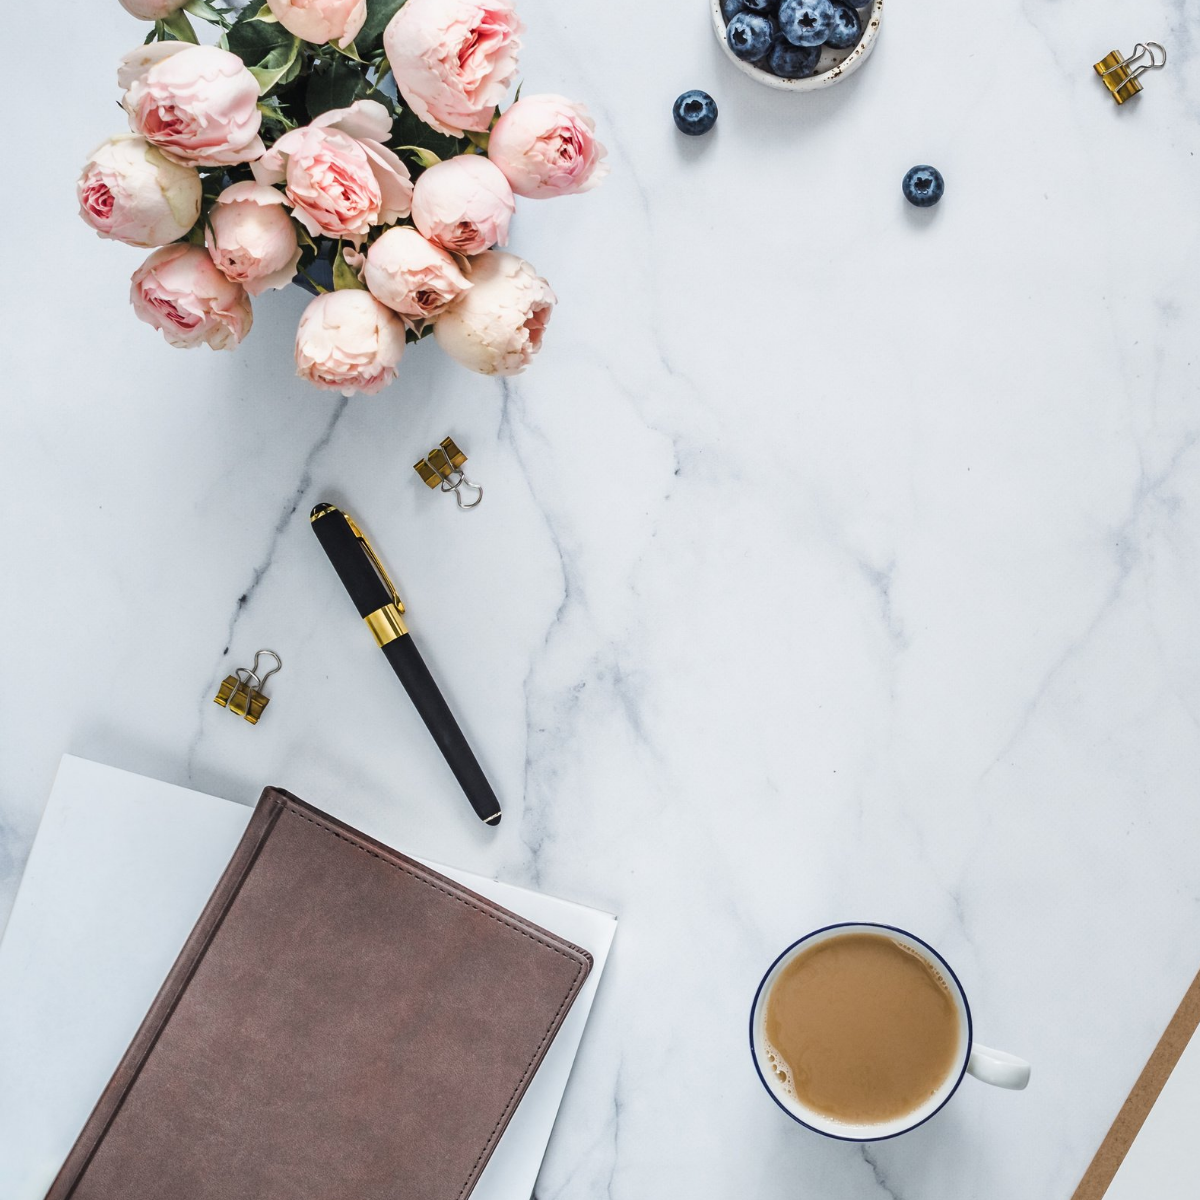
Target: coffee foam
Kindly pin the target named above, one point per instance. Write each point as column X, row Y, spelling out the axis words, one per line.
column 928, row 963
column 780, row 1069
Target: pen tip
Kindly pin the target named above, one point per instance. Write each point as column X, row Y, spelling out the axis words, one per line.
column 494, row 820
column 320, row 511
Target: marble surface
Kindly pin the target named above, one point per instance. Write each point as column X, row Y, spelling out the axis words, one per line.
column 838, row 561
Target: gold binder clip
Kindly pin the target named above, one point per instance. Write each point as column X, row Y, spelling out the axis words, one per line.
column 1120, row 75
column 242, row 692
column 443, row 468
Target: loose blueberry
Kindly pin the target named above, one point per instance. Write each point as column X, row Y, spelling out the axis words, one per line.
column 793, row 62
column 924, row 186
column 750, row 36
column 695, row 112
column 806, row 22
column 846, row 28
column 731, row 8
column 761, row 6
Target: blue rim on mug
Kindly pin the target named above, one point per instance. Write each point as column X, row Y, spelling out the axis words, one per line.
column 934, row 957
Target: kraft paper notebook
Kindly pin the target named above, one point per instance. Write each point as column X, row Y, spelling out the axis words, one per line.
column 303, row 1082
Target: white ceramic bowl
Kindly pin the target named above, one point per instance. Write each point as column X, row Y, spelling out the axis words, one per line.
column 833, row 67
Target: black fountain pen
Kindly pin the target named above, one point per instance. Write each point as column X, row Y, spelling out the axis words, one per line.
column 375, row 597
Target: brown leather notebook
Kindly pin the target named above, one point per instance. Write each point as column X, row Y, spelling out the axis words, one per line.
column 342, row 1024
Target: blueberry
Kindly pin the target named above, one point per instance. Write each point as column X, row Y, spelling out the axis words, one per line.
column 924, row 186
column 793, row 62
column 750, row 36
column 695, row 112
column 731, row 8
column 761, row 6
column 846, row 28
column 806, row 22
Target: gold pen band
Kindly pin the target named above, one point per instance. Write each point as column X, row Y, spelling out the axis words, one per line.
column 386, row 624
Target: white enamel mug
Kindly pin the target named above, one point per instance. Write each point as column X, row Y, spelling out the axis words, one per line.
column 991, row 1066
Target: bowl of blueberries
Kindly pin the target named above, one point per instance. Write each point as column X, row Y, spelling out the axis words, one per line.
column 797, row 45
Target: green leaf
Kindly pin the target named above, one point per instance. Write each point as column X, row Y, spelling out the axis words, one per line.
column 350, row 51
column 410, row 130
column 179, row 27
column 206, row 12
column 266, row 16
column 334, row 84
column 370, row 36
column 253, row 40
column 271, row 53
column 425, row 158
column 280, row 66
column 344, row 275
column 478, row 139
column 272, row 111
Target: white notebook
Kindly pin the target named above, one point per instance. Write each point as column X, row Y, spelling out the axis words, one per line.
column 119, row 872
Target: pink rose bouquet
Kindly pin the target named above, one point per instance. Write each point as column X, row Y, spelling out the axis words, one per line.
column 131, row 191
column 497, row 326
column 412, row 276
column 349, row 342
column 251, row 238
column 546, row 146
column 339, row 178
column 361, row 149
column 463, row 204
column 181, row 293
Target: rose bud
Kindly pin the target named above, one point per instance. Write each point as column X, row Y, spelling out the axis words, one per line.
column 411, row 275
column 131, row 191
column 463, row 204
column 179, row 291
column 339, row 177
column 453, row 59
column 546, row 146
column 496, row 327
column 251, row 238
column 199, row 104
column 152, row 10
column 321, row 21
column 348, row 342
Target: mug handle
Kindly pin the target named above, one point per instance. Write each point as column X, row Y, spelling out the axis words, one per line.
column 997, row 1068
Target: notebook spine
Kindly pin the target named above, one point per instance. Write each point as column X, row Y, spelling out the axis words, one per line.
column 169, row 995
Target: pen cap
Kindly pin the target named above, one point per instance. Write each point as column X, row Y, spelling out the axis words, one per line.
column 347, row 552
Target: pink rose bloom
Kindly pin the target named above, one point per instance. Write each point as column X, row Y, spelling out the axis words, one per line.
column 152, row 10
column 251, row 238
column 463, row 204
column 411, row 275
column 197, row 103
column 340, row 178
column 546, row 146
column 321, row 21
column 132, row 192
column 496, row 327
column 348, row 342
column 179, row 291
column 454, row 59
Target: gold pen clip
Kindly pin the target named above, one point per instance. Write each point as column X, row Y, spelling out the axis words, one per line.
column 386, row 623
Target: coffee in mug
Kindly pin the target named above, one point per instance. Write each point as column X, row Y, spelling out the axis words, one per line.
column 863, row 1032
